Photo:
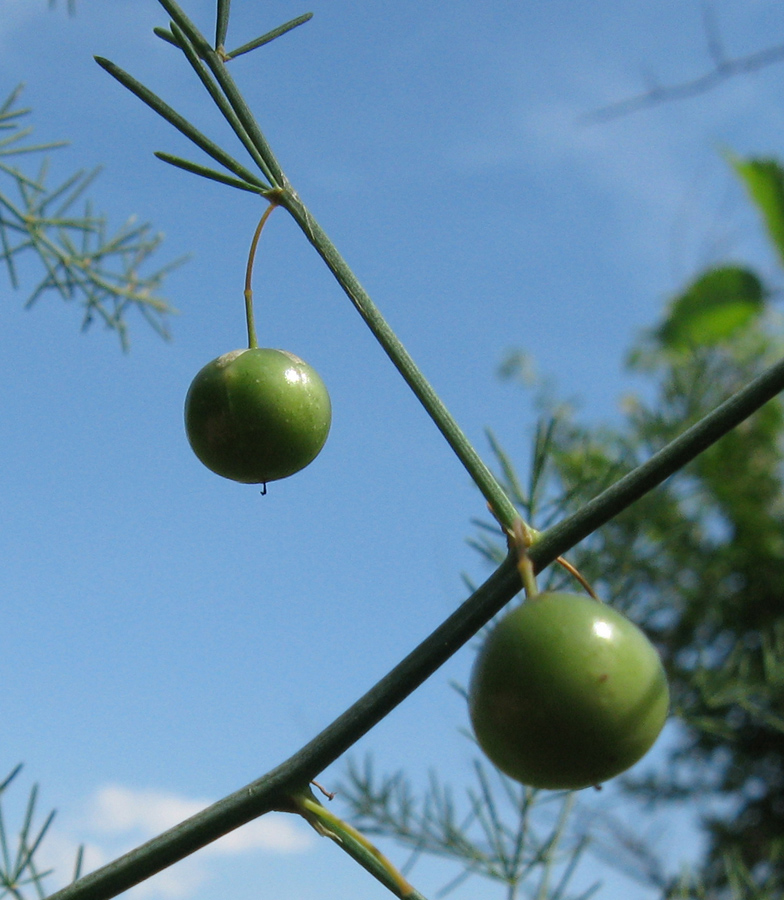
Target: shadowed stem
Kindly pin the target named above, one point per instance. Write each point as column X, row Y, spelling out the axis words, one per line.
column 353, row 842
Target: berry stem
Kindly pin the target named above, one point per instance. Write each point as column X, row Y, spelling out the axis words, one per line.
column 249, row 317
column 522, row 540
column 575, row 573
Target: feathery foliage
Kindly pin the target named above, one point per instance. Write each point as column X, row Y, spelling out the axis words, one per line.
column 75, row 255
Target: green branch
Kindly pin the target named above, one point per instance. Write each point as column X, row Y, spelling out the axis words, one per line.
column 273, row 790
column 659, row 467
column 221, row 23
column 227, row 96
column 216, row 65
column 404, row 363
column 218, row 98
column 205, row 172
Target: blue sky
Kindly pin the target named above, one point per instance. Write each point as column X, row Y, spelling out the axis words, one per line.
column 169, row 636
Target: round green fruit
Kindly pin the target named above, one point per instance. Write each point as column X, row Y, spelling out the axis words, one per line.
column 566, row 693
column 257, row 415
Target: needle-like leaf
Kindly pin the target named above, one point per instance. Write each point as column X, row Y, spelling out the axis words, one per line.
column 270, row 36
column 205, row 172
column 174, row 118
column 222, row 23
column 218, row 98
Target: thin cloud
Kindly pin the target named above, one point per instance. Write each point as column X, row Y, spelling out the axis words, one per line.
column 118, row 811
column 666, row 195
column 119, row 818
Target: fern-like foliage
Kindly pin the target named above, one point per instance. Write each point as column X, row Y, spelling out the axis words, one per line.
column 514, row 836
column 75, row 254
column 21, row 877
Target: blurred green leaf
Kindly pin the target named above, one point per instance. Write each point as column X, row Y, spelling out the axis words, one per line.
column 713, row 308
column 764, row 180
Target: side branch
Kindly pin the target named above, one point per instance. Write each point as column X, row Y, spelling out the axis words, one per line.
column 484, row 479
column 724, row 69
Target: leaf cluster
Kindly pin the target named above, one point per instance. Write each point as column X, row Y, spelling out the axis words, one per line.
column 209, row 65
column 81, row 261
